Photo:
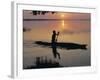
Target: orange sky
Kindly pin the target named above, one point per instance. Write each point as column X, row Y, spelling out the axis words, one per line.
column 59, row 15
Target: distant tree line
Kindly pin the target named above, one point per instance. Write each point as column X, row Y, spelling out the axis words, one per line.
column 42, row 12
column 26, row 29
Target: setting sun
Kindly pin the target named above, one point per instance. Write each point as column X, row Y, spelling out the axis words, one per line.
column 62, row 15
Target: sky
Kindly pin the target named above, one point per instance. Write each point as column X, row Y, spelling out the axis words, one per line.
column 59, row 15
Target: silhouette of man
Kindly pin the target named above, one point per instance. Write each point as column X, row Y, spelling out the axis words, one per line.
column 54, row 44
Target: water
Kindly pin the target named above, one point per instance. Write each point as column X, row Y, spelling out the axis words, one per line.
column 70, row 31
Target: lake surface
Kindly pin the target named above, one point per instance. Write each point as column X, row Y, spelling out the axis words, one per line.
column 74, row 31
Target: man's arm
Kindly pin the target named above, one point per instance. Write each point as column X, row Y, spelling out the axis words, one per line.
column 57, row 36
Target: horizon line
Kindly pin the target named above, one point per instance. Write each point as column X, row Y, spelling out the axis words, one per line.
column 55, row 19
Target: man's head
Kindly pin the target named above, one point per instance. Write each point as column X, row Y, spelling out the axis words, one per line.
column 54, row 32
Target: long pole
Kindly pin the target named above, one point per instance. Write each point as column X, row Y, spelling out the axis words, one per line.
column 57, row 36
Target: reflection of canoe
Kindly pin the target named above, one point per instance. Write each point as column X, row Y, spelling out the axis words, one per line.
column 63, row 45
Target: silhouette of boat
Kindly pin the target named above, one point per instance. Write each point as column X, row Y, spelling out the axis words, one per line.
column 63, row 45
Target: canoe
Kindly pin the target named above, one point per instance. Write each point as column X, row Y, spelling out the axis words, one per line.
column 62, row 45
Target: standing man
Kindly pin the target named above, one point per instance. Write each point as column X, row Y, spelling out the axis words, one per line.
column 54, row 44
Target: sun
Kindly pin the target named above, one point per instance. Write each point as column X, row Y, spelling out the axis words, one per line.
column 62, row 15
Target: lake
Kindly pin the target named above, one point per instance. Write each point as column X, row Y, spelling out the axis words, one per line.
column 74, row 31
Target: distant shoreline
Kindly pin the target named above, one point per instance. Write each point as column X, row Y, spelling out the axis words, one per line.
column 56, row 19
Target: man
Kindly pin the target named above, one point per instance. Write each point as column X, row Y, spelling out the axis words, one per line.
column 54, row 44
